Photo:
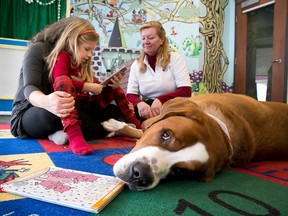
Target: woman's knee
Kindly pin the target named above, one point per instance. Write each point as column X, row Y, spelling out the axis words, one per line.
column 45, row 123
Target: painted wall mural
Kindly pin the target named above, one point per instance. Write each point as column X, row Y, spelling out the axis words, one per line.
column 215, row 59
column 194, row 29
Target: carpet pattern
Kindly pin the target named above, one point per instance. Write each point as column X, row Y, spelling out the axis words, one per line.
column 256, row 189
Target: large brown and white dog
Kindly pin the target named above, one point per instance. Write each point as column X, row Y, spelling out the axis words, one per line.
column 199, row 136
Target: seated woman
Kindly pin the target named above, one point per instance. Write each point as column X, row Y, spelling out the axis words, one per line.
column 157, row 75
column 65, row 49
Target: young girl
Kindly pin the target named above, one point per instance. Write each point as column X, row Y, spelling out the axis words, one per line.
column 70, row 70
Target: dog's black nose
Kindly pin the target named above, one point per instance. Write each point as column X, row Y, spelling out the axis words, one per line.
column 141, row 174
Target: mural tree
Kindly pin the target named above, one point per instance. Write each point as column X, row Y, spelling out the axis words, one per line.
column 184, row 11
column 215, row 59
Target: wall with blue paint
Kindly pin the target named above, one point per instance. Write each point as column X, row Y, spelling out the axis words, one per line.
column 11, row 55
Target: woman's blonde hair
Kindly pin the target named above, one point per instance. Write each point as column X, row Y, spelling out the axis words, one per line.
column 163, row 54
column 74, row 34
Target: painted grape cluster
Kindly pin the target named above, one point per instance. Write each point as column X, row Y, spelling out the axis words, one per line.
column 198, row 86
column 226, row 88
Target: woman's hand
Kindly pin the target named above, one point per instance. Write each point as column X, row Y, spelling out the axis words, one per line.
column 144, row 110
column 155, row 107
column 60, row 103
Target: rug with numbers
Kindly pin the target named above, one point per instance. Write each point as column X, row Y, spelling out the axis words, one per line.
column 258, row 189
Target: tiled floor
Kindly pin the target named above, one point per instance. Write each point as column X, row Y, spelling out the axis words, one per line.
column 5, row 119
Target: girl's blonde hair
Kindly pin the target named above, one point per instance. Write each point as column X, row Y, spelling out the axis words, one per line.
column 163, row 54
column 74, row 34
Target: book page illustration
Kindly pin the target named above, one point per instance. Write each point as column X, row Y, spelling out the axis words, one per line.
column 65, row 187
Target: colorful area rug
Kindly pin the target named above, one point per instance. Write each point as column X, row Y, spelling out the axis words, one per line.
column 257, row 189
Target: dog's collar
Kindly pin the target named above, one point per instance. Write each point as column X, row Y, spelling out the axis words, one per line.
column 225, row 131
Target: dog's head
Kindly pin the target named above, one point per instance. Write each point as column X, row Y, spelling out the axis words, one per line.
column 180, row 141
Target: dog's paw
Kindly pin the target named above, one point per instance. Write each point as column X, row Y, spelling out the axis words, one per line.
column 112, row 134
column 118, row 128
column 113, row 125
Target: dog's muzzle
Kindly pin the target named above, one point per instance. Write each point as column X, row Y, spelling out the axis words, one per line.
column 138, row 176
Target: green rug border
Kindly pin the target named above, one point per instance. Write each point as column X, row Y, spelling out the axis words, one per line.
column 164, row 199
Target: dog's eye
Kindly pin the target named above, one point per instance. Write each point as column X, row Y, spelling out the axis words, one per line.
column 165, row 136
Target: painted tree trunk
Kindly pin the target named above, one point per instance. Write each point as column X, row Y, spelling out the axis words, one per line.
column 215, row 59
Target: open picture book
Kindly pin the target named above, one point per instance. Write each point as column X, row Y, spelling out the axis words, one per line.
column 80, row 190
column 118, row 71
column 123, row 68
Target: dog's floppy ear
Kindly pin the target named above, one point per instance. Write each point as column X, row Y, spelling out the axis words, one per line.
column 175, row 107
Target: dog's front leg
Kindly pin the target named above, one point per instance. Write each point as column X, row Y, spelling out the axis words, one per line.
column 117, row 128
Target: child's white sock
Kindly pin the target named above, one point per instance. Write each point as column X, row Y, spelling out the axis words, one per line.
column 59, row 137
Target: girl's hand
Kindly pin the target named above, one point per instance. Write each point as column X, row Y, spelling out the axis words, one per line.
column 96, row 88
column 144, row 110
column 93, row 88
column 115, row 81
column 131, row 107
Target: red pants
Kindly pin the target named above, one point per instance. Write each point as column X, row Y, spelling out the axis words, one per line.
column 64, row 83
